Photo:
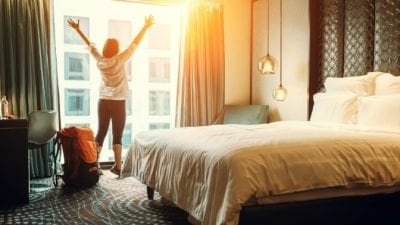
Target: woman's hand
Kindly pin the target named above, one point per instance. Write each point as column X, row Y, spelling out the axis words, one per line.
column 73, row 24
column 148, row 21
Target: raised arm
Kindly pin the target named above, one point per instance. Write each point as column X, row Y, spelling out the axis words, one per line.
column 75, row 25
column 127, row 53
column 148, row 21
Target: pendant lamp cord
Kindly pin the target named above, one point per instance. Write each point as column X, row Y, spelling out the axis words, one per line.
column 268, row 28
column 280, row 55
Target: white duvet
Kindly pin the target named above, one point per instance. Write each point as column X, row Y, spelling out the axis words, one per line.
column 211, row 171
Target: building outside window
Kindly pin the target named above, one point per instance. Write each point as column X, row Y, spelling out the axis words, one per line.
column 77, row 102
column 160, row 42
column 126, row 138
column 159, row 70
column 152, row 71
column 159, row 103
column 122, row 30
column 153, row 126
column 70, row 36
column 76, row 66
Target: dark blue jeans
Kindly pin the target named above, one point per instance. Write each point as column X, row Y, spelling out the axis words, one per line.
column 113, row 110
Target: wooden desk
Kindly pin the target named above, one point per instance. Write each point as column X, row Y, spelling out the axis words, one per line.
column 14, row 164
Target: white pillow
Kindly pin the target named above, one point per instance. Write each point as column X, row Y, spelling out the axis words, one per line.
column 387, row 84
column 334, row 107
column 379, row 110
column 359, row 85
column 375, row 74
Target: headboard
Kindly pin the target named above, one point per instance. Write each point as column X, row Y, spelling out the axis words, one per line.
column 352, row 37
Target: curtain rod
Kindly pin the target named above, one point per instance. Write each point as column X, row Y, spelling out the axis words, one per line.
column 155, row 2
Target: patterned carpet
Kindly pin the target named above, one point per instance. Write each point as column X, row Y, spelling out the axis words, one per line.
column 111, row 201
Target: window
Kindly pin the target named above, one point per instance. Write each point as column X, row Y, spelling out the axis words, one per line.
column 157, row 31
column 153, row 126
column 159, row 69
column 159, row 103
column 152, row 70
column 76, row 66
column 122, row 30
column 126, row 137
column 77, row 102
column 70, row 36
column 77, row 124
column 128, row 104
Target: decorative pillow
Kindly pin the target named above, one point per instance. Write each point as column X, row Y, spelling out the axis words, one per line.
column 379, row 110
column 334, row 107
column 359, row 85
column 387, row 84
column 245, row 114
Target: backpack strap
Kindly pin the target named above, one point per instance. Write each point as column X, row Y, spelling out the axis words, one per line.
column 56, row 155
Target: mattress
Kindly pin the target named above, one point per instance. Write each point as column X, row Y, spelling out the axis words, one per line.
column 212, row 171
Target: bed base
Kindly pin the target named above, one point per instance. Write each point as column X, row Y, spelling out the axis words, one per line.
column 357, row 210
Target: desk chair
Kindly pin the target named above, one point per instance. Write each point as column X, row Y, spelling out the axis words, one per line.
column 42, row 129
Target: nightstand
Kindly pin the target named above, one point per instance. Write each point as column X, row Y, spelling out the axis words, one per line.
column 14, row 164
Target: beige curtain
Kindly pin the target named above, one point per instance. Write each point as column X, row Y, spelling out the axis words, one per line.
column 201, row 78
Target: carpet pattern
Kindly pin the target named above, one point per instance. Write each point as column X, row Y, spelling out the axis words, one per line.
column 111, row 201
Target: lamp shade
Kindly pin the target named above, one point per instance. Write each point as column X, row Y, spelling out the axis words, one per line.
column 280, row 93
column 268, row 65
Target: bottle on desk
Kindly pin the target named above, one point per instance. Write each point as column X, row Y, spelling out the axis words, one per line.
column 4, row 108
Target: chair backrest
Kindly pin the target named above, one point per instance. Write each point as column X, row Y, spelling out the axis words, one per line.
column 42, row 126
column 245, row 114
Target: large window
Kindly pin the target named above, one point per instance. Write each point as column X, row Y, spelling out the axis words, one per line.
column 152, row 71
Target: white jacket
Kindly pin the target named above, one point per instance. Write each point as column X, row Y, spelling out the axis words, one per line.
column 114, row 82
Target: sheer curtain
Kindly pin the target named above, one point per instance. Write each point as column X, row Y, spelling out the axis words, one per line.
column 27, row 74
column 201, row 78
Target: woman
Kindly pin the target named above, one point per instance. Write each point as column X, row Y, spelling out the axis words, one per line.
column 113, row 88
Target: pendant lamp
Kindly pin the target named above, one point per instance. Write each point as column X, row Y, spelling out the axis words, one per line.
column 280, row 93
column 268, row 64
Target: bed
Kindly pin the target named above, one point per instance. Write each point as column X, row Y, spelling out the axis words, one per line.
column 341, row 167
column 212, row 171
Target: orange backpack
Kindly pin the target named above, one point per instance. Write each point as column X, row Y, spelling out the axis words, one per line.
column 80, row 156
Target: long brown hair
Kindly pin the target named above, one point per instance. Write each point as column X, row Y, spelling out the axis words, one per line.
column 111, row 47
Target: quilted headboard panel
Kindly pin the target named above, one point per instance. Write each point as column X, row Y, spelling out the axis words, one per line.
column 352, row 37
